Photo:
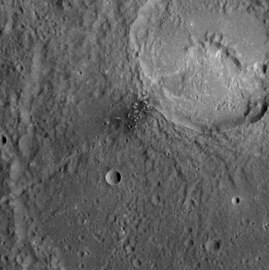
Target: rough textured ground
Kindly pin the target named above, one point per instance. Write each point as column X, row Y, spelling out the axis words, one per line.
column 134, row 135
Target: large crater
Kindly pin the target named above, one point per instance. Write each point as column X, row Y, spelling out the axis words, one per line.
column 205, row 68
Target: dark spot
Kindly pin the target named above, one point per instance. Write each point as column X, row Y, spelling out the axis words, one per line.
column 216, row 245
column 59, row 4
column 3, row 139
column 5, row 259
column 264, row 69
column 191, row 243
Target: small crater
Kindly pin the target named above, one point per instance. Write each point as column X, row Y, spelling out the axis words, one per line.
column 137, row 263
column 68, row 248
column 236, row 200
column 213, row 245
column 129, row 249
column 82, row 265
column 113, row 177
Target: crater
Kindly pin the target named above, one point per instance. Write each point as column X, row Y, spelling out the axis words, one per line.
column 213, row 245
column 204, row 68
column 113, row 177
column 236, row 200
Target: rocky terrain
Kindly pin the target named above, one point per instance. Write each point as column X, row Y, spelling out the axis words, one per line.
column 134, row 134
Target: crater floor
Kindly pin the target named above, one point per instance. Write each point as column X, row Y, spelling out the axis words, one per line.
column 203, row 67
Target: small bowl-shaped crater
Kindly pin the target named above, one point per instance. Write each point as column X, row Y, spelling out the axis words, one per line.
column 236, row 200
column 113, row 177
